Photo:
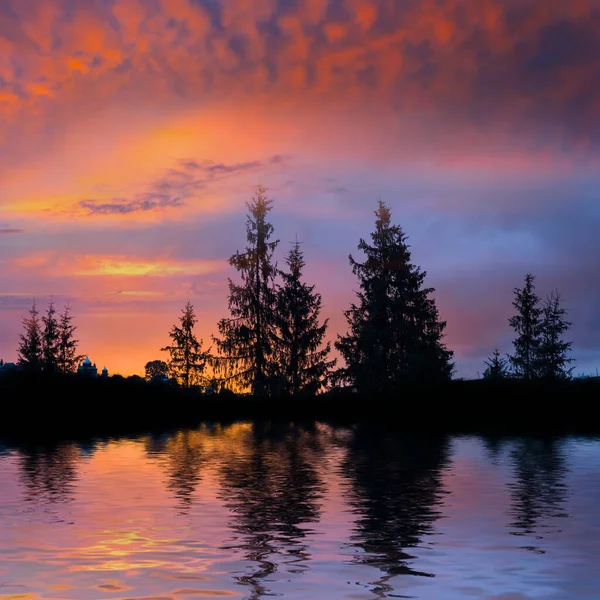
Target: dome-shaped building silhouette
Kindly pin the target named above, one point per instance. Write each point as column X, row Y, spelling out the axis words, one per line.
column 87, row 368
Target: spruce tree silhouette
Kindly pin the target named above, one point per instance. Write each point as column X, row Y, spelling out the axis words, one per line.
column 67, row 352
column 395, row 334
column 496, row 367
column 300, row 354
column 50, row 339
column 30, row 345
column 553, row 351
column 187, row 360
column 246, row 344
column 527, row 326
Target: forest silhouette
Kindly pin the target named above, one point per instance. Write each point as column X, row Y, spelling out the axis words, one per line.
column 270, row 355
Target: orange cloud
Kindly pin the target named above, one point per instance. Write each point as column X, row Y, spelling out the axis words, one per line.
column 92, row 265
column 448, row 51
column 102, row 102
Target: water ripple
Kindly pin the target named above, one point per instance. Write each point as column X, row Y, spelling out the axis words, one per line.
column 261, row 509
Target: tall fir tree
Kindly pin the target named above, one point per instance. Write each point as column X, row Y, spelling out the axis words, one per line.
column 67, row 356
column 50, row 339
column 395, row 334
column 553, row 353
column 496, row 367
column 30, row 344
column 301, row 356
column 187, row 359
column 527, row 326
column 246, row 343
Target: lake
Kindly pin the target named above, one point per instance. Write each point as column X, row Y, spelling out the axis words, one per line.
column 257, row 510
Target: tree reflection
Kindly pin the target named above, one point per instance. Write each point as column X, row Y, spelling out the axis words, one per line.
column 494, row 446
column 539, row 492
column 273, row 489
column 48, row 474
column 182, row 456
column 395, row 492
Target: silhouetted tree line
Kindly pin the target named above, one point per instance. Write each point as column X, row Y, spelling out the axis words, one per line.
column 48, row 342
column 540, row 352
column 272, row 342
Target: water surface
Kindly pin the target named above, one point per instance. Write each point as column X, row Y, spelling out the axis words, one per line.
column 257, row 510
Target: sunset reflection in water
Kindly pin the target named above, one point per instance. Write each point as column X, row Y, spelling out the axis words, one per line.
column 311, row 511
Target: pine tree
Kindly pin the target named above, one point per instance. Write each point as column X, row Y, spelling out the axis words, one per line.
column 301, row 355
column 188, row 360
column 553, row 359
column 496, row 367
column 50, row 339
column 30, row 346
column 67, row 357
column 395, row 335
column 527, row 326
column 246, row 342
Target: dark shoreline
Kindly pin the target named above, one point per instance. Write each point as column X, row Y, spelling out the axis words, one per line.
column 68, row 407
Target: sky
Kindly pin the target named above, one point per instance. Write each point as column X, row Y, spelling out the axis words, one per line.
column 132, row 133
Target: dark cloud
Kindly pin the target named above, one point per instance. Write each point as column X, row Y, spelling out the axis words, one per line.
column 10, row 230
column 176, row 186
column 221, row 168
column 143, row 203
column 11, row 302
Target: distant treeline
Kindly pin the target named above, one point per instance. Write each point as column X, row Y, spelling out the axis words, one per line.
column 271, row 344
column 57, row 406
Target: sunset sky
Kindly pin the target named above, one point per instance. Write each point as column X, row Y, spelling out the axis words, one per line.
column 132, row 132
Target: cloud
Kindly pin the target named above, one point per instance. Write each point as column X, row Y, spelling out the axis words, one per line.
column 15, row 301
column 92, row 265
column 10, row 230
column 144, row 202
column 107, row 109
column 510, row 67
column 176, row 186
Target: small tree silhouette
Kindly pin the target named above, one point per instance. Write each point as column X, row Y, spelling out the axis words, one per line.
column 496, row 367
column 302, row 358
column 156, row 368
column 188, row 360
column 30, row 346
column 527, row 326
column 67, row 357
column 50, row 339
column 553, row 359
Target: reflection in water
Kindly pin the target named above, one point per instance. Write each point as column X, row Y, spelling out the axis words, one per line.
column 396, row 493
column 273, row 489
column 539, row 492
column 184, row 454
column 494, row 446
column 256, row 510
column 49, row 473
